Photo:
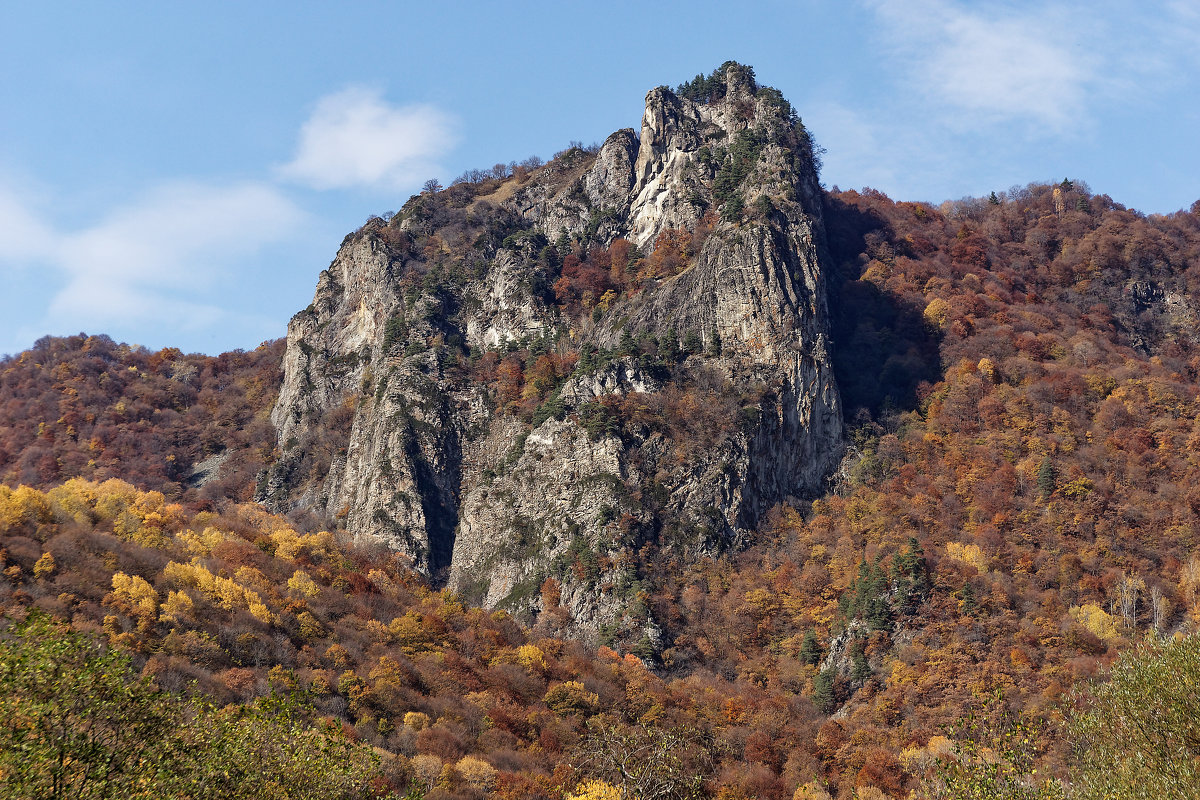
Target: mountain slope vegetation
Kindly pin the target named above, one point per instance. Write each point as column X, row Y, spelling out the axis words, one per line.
column 191, row 426
column 1019, row 380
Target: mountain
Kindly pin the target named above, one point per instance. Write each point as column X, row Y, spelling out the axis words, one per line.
column 774, row 570
column 554, row 374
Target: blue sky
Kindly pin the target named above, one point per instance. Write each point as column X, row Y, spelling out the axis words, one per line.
column 178, row 173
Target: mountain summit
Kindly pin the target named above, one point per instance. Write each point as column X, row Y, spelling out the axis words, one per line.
column 534, row 380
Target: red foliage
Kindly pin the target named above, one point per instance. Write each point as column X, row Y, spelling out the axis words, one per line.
column 84, row 406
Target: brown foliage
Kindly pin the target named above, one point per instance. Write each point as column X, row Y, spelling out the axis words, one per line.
column 84, row 406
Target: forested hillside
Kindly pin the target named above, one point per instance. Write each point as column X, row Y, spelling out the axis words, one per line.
column 191, row 426
column 1021, row 381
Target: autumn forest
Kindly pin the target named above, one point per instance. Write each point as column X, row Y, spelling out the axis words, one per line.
column 1018, row 514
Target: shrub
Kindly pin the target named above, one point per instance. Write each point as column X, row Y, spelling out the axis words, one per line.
column 1136, row 735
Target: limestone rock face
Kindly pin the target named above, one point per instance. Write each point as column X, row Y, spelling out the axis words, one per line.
column 426, row 404
column 347, row 316
column 506, row 311
column 609, row 184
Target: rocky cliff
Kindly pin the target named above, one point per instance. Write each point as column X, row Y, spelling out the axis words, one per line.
column 537, row 382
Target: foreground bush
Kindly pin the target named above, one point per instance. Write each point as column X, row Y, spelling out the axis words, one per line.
column 79, row 724
column 1139, row 736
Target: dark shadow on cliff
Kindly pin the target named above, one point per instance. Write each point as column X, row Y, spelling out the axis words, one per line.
column 882, row 348
column 436, row 486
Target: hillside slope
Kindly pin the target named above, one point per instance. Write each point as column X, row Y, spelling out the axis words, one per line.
column 194, row 427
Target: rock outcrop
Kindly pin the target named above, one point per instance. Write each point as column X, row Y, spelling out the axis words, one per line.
column 430, row 401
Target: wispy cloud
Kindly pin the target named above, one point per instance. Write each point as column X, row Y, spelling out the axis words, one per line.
column 172, row 259
column 22, row 234
column 159, row 260
column 355, row 139
column 1176, row 31
column 999, row 62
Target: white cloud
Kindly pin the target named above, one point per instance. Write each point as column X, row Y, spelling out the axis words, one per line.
column 153, row 261
column 977, row 96
column 356, row 139
column 172, row 259
column 22, row 234
column 1004, row 63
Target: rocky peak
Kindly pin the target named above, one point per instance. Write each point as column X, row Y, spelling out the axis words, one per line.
column 688, row 135
column 697, row 150
column 551, row 374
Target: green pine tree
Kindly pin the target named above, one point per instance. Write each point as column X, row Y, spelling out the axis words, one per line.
column 810, row 649
column 1047, row 478
column 823, row 694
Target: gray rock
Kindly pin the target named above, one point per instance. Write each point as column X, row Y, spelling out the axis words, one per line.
column 382, row 430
